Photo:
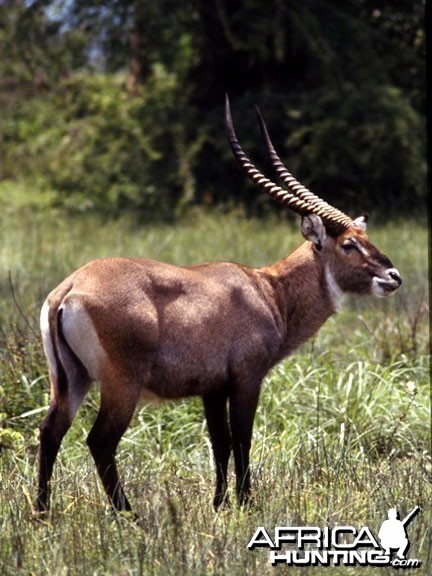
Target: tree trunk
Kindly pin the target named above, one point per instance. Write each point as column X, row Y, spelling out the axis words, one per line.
column 139, row 64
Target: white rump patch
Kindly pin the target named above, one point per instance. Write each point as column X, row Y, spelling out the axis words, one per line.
column 335, row 293
column 46, row 339
column 81, row 335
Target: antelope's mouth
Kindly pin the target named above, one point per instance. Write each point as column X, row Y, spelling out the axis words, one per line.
column 386, row 285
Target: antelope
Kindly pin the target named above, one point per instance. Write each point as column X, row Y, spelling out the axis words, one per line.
column 145, row 329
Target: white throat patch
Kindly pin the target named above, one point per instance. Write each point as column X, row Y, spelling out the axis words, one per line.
column 335, row 293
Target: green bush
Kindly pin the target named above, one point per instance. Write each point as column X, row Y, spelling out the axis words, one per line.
column 98, row 147
column 364, row 147
column 94, row 146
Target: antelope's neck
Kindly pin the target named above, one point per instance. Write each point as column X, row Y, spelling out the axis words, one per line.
column 305, row 292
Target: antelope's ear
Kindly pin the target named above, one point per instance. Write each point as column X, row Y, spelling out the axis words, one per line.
column 312, row 228
column 361, row 222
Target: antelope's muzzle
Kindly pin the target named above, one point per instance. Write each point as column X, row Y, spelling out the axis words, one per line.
column 388, row 283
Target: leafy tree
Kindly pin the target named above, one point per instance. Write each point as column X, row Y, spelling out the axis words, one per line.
column 136, row 88
column 37, row 49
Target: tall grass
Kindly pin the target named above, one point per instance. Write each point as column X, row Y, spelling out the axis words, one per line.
column 342, row 431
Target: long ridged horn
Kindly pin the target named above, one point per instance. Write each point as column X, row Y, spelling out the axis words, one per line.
column 282, row 196
column 334, row 220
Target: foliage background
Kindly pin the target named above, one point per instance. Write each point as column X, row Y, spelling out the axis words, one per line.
column 117, row 105
column 112, row 144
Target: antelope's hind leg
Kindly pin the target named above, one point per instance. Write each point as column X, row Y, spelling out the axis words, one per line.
column 117, row 407
column 64, row 405
column 69, row 382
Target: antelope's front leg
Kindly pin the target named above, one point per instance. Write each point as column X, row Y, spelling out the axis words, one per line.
column 243, row 404
column 215, row 406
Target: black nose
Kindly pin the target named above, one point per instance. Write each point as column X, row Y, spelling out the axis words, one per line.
column 394, row 275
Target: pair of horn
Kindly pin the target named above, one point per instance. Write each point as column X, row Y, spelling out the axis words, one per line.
column 295, row 196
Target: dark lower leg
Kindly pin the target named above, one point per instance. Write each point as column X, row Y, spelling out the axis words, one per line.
column 243, row 478
column 52, row 431
column 107, row 470
column 215, row 407
column 103, row 440
column 242, row 413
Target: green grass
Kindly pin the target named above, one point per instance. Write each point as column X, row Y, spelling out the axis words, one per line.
column 342, row 431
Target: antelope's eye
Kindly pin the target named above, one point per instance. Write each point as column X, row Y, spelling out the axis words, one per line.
column 348, row 246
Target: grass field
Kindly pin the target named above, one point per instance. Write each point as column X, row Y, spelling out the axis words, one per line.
column 342, row 431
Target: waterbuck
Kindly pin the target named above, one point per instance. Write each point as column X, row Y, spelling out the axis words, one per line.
column 144, row 329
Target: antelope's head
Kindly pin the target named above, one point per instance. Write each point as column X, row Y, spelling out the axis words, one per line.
column 352, row 263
